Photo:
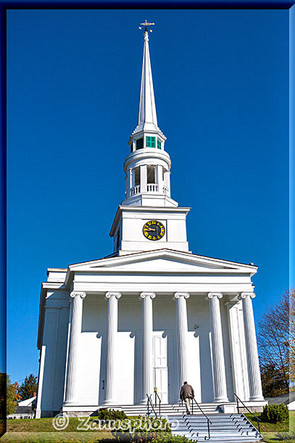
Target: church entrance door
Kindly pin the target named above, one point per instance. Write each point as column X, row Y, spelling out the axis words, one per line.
column 160, row 365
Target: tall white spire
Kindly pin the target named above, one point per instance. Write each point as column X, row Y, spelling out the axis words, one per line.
column 147, row 167
column 147, row 115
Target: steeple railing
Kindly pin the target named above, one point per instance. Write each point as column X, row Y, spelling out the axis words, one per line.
column 135, row 190
column 151, row 187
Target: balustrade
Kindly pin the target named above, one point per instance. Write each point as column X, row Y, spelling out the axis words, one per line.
column 135, row 190
column 152, row 188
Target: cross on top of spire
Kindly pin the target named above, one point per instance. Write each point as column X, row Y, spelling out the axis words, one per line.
column 146, row 24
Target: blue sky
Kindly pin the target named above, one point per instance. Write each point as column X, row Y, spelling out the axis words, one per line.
column 221, row 86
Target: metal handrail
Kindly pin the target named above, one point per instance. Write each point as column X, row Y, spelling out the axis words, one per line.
column 150, row 403
column 209, row 422
column 255, row 416
column 160, row 401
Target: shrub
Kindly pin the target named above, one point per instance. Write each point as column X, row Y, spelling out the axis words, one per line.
column 275, row 413
column 145, row 430
column 285, row 436
column 110, row 414
column 151, row 437
column 166, row 438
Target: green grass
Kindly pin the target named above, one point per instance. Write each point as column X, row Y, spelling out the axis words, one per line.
column 42, row 430
column 46, row 437
column 274, row 432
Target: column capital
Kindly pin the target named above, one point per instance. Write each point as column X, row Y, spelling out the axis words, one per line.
column 113, row 294
column 246, row 294
column 177, row 295
column 74, row 294
column 214, row 294
column 147, row 294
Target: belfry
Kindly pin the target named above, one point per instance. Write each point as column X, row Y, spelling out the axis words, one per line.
column 152, row 314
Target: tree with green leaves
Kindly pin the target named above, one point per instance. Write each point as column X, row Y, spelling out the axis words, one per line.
column 276, row 346
column 28, row 388
column 8, row 392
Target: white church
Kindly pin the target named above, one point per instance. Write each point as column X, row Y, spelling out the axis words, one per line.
column 152, row 314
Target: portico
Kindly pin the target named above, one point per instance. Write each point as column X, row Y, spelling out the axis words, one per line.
column 150, row 334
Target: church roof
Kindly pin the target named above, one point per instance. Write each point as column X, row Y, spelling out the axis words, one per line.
column 177, row 256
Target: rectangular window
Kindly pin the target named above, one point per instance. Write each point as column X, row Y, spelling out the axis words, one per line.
column 139, row 143
column 150, row 142
column 151, row 179
column 136, row 176
column 159, row 144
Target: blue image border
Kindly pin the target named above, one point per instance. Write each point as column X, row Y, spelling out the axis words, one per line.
column 95, row 4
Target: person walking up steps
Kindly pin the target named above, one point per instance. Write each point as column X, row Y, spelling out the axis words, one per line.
column 186, row 394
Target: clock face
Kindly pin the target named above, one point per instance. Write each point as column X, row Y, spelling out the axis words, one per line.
column 153, row 230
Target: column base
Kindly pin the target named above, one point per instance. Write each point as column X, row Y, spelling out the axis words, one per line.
column 220, row 400
column 70, row 403
column 256, row 398
column 108, row 403
column 143, row 401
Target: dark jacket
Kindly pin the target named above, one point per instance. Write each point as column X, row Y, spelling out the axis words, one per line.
column 186, row 392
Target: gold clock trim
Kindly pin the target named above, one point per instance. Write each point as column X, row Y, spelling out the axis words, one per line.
column 148, row 229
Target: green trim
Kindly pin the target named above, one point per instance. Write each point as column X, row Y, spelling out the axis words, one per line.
column 150, row 142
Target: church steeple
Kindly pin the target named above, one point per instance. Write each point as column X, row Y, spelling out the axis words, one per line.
column 147, row 168
column 148, row 218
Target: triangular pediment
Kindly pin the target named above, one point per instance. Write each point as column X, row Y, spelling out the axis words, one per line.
column 163, row 261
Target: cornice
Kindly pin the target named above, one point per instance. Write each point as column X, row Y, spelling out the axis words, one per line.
column 145, row 153
column 53, row 285
column 169, row 253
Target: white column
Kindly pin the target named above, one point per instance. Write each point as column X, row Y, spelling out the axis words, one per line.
column 237, row 347
column 143, row 178
column 251, row 348
column 220, row 394
column 132, row 178
column 158, row 177
column 73, row 356
column 147, row 344
column 167, row 182
column 130, row 181
column 112, row 330
column 181, row 320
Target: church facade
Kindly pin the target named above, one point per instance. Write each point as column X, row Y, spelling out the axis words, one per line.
column 152, row 314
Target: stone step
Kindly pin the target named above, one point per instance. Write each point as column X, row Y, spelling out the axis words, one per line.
column 175, row 409
column 223, row 428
